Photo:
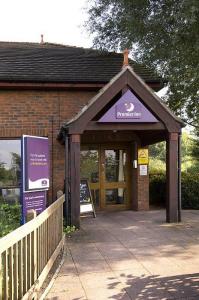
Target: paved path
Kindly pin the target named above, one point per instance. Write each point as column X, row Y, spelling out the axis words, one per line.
column 131, row 255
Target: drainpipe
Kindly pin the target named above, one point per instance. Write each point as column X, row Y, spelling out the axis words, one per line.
column 52, row 156
column 66, row 185
column 179, row 177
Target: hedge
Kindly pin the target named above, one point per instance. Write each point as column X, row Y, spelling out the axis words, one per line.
column 190, row 190
column 10, row 215
column 157, row 189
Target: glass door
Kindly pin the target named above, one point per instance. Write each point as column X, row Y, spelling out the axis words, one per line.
column 107, row 170
column 114, row 177
column 89, row 169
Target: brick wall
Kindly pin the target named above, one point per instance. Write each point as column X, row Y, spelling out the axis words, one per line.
column 143, row 192
column 41, row 113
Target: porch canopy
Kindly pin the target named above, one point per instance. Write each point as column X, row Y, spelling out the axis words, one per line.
column 94, row 123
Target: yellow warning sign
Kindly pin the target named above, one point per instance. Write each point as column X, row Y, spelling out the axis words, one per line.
column 143, row 156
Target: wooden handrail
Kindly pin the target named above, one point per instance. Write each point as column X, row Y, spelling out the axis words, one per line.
column 28, row 253
column 19, row 233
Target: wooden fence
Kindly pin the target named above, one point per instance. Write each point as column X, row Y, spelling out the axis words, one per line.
column 28, row 253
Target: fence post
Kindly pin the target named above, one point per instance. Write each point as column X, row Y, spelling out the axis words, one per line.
column 19, row 253
column 1, row 278
column 31, row 214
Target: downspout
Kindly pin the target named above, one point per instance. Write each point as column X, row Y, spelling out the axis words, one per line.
column 66, row 181
column 179, row 177
column 52, row 156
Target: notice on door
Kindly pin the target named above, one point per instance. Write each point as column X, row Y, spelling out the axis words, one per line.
column 143, row 170
column 143, row 156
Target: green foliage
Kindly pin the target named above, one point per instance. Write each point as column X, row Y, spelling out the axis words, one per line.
column 89, row 165
column 162, row 34
column 157, row 189
column 158, row 151
column 69, row 229
column 188, row 159
column 4, row 173
column 190, row 186
column 10, row 215
column 157, row 154
column 189, row 154
column 10, row 176
column 190, row 173
column 157, row 166
column 195, row 148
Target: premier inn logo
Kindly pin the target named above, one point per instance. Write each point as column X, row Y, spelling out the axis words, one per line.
column 128, row 110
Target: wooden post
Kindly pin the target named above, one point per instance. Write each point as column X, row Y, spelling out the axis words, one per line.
column 59, row 194
column 134, row 185
column 172, row 177
column 31, row 214
column 74, row 157
column 179, row 177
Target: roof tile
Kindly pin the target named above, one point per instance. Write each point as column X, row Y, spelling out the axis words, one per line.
column 32, row 62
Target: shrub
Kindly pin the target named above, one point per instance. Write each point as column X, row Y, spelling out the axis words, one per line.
column 190, row 187
column 10, row 215
column 157, row 189
column 69, row 229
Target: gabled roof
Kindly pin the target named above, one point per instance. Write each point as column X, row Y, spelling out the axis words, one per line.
column 32, row 62
column 126, row 77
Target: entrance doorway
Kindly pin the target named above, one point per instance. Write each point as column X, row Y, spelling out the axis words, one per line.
column 106, row 167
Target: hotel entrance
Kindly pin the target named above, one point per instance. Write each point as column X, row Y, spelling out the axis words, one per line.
column 102, row 144
column 106, row 167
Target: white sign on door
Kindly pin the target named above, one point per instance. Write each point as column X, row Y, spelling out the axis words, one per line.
column 143, row 170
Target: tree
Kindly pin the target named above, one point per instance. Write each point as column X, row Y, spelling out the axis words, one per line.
column 189, row 153
column 195, row 148
column 162, row 34
column 15, row 169
column 3, row 172
column 158, row 151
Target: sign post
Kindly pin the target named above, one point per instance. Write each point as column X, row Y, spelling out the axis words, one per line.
column 35, row 174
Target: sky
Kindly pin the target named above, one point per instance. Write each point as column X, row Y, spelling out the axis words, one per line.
column 60, row 21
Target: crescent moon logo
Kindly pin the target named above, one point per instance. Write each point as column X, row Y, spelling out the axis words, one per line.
column 129, row 106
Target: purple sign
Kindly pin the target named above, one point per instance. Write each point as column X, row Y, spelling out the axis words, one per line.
column 36, row 158
column 35, row 174
column 34, row 200
column 128, row 109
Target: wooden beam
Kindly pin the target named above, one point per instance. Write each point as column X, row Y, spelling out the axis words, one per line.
column 61, row 85
column 172, row 177
column 134, row 182
column 97, row 137
column 21, row 232
column 74, row 157
column 93, row 125
column 49, row 85
column 112, row 89
column 150, row 138
column 150, row 101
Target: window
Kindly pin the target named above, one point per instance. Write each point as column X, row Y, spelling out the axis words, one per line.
column 10, row 170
